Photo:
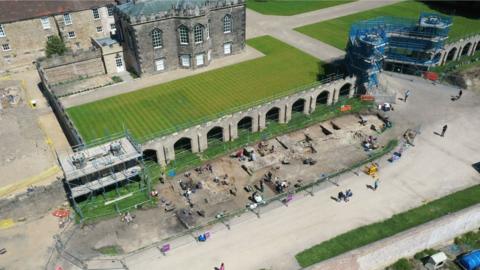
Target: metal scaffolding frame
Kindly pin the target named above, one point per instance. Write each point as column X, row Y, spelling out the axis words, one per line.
column 103, row 168
column 372, row 43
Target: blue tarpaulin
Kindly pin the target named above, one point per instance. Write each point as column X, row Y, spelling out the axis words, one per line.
column 470, row 261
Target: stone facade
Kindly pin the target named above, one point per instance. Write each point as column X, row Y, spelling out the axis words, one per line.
column 326, row 94
column 464, row 47
column 142, row 56
column 24, row 41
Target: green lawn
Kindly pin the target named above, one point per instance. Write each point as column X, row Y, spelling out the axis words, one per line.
column 291, row 7
column 370, row 233
column 335, row 32
column 160, row 109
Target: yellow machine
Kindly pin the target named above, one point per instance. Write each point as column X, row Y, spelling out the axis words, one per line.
column 372, row 169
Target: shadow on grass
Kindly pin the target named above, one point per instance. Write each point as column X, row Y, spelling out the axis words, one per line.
column 468, row 9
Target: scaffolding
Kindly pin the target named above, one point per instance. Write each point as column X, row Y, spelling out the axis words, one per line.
column 380, row 42
column 107, row 178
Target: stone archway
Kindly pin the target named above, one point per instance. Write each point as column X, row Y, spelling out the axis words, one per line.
column 273, row 115
column 299, row 106
column 215, row 134
column 183, row 144
column 322, row 98
column 245, row 124
column 150, row 154
column 451, row 54
column 345, row 90
column 465, row 49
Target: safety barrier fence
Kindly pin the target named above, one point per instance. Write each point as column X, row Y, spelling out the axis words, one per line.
column 226, row 221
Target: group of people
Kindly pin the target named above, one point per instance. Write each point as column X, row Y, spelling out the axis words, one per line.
column 344, row 196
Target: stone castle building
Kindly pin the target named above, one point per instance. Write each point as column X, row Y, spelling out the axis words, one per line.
column 161, row 35
column 26, row 25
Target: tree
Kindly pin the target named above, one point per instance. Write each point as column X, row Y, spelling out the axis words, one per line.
column 55, row 45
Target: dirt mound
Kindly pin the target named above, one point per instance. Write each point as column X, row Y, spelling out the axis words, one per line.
column 468, row 79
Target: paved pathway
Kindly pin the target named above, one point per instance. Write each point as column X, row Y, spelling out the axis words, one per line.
column 433, row 168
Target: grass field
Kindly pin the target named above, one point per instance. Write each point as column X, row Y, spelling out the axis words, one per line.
column 291, row 7
column 398, row 223
column 184, row 102
column 335, row 32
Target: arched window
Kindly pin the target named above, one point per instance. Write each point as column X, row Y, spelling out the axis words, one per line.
column 157, row 40
column 227, row 24
column 198, row 33
column 183, row 32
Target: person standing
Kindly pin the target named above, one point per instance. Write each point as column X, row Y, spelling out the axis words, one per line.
column 222, row 266
column 375, row 184
column 444, row 129
column 459, row 94
column 407, row 94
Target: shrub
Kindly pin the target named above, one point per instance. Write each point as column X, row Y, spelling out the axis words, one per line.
column 402, row 264
column 55, row 45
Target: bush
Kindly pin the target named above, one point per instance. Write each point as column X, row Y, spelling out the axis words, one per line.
column 470, row 239
column 116, row 79
column 55, row 45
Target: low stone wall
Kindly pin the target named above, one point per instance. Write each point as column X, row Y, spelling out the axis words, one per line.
column 71, row 66
column 198, row 135
column 385, row 252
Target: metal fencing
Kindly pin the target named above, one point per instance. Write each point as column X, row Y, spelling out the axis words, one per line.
column 233, row 218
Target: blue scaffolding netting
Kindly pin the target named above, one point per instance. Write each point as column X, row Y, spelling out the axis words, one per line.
column 373, row 42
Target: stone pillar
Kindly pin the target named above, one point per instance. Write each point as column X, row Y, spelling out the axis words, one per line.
column 169, row 152
column 255, row 122
column 306, row 107
column 352, row 91
column 285, row 114
column 226, row 133
column 262, row 121
column 313, row 104
column 457, row 55
column 161, row 158
column 334, row 95
column 202, row 143
column 233, row 130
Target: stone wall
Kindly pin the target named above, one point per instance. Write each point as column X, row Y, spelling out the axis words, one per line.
column 385, row 252
column 71, row 66
column 164, row 146
column 463, row 47
column 140, row 56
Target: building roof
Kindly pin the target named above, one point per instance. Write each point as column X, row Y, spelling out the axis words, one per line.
column 149, row 7
column 18, row 10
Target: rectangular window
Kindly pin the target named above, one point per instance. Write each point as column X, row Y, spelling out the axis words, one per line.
column 110, row 11
column 183, row 35
column 96, row 15
column 99, row 29
column 185, row 60
column 71, row 34
column 160, row 64
column 199, row 59
column 118, row 61
column 113, row 26
column 45, row 22
column 2, row 31
column 227, row 48
column 6, row 47
column 67, row 19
